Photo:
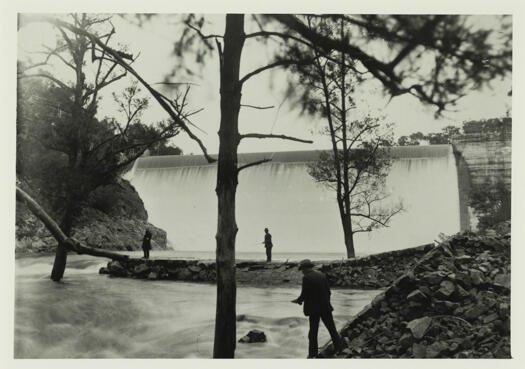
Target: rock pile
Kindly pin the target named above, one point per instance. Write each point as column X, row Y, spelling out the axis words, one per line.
column 171, row 269
column 455, row 303
column 374, row 271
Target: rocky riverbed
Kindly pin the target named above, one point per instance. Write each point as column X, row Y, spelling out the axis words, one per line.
column 371, row 272
column 454, row 303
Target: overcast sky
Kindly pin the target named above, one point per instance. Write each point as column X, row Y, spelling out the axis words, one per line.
column 155, row 39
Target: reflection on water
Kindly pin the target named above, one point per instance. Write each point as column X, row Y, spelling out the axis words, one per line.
column 94, row 316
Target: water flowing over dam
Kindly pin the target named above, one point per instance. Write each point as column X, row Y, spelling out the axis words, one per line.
column 179, row 195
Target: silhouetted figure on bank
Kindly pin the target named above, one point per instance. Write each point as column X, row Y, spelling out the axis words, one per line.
column 315, row 294
column 146, row 244
column 268, row 245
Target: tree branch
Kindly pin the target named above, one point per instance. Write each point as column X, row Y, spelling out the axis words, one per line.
column 279, row 63
column 203, row 36
column 114, row 79
column 282, row 137
column 52, row 52
column 44, row 75
column 119, row 57
column 279, row 34
column 258, row 107
column 253, row 164
column 58, row 234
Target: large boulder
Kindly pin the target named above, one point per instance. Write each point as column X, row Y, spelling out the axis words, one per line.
column 419, row 327
column 116, row 269
column 253, row 336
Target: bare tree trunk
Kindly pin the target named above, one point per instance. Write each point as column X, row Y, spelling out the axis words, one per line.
column 346, row 222
column 227, row 175
column 347, row 219
column 349, row 238
column 59, row 265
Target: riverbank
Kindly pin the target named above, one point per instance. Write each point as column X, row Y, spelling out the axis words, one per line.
column 370, row 272
column 454, row 303
column 113, row 218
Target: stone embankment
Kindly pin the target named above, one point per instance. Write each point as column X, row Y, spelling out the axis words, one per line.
column 374, row 271
column 454, row 303
column 371, row 272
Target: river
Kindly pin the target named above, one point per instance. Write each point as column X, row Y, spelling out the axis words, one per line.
column 95, row 316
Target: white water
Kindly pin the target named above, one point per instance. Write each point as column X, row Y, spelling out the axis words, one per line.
column 302, row 216
column 95, row 316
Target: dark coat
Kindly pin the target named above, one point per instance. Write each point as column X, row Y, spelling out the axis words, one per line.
column 315, row 294
column 146, row 241
column 268, row 240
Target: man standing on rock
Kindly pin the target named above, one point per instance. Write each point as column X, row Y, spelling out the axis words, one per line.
column 146, row 244
column 315, row 294
column 268, row 245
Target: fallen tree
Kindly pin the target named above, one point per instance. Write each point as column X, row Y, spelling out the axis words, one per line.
column 69, row 243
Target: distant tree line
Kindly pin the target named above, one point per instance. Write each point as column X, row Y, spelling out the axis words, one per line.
column 493, row 125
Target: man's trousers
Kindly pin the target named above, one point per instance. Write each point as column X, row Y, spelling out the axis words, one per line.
column 328, row 321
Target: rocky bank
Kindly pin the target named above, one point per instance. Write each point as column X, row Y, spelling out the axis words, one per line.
column 454, row 303
column 114, row 218
column 371, row 272
column 450, row 300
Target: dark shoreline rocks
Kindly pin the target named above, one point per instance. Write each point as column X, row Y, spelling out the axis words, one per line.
column 454, row 303
column 370, row 272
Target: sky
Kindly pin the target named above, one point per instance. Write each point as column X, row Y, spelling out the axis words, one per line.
column 154, row 40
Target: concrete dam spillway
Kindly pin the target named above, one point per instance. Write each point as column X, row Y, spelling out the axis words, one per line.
column 302, row 215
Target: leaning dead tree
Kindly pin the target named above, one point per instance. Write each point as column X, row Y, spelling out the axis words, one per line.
column 68, row 243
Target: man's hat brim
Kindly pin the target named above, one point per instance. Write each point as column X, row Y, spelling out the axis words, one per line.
column 305, row 265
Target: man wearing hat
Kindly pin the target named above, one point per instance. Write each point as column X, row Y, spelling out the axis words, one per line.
column 315, row 294
column 268, row 245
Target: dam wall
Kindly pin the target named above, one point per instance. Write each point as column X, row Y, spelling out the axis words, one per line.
column 302, row 215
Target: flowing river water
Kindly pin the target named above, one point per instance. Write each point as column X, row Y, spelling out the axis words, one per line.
column 95, row 316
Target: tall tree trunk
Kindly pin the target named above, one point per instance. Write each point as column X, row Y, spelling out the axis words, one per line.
column 346, row 222
column 349, row 237
column 225, row 318
column 59, row 265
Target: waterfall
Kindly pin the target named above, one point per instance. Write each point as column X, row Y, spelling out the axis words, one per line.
column 179, row 195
